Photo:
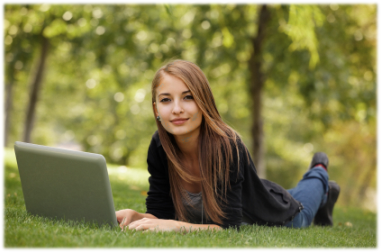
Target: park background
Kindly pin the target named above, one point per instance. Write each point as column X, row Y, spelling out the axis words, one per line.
column 291, row 79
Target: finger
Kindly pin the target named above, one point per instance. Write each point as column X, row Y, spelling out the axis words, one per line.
column 148, row 228
column 141, row 227
column 136, row 223
column 119, row 216
column 123, row 223
column 132, row 225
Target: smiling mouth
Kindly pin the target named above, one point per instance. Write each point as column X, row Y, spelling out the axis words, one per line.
column 180, row 121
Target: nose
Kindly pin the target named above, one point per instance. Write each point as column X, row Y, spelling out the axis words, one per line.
column 177, row 107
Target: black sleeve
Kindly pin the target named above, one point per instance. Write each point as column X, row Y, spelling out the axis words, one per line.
column 159, row 201
column 233, row 208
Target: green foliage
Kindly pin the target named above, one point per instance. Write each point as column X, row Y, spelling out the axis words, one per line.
column 319, row 62
column 300, row 28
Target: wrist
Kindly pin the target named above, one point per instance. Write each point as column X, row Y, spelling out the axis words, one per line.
column 181, row 227
column 134, row 215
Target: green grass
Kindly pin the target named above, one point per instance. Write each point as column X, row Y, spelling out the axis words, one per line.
column 353, row 227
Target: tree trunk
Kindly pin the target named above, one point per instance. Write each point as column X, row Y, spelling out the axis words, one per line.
column 8, row 109
column 35, row 89
column 256, row 85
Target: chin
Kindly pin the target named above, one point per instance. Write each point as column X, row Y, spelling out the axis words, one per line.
column 180, row 132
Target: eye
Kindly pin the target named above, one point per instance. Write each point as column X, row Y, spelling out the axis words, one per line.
column 188, row 97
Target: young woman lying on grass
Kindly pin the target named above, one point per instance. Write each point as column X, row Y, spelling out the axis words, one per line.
column 202, row 176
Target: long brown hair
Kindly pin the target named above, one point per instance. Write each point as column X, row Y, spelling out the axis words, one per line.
column 214, row 144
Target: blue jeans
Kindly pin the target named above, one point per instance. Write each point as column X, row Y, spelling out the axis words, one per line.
column 312, row 192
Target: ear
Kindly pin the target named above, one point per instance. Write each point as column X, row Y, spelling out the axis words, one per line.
column 155, row 109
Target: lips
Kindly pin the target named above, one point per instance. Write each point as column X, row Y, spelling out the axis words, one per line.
column 180, row 120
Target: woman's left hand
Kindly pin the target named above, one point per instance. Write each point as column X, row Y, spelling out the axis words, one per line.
column 146, row 224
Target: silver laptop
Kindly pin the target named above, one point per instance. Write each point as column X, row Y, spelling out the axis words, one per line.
column 65, row 184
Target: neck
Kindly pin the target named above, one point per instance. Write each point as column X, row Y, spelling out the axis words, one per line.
column 188, row 144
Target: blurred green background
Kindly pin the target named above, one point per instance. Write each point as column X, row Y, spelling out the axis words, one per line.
column 79, row 76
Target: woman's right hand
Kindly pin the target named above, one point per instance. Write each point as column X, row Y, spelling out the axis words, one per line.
column 125, row 217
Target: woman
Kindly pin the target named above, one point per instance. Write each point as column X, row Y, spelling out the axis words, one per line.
column 202, row 176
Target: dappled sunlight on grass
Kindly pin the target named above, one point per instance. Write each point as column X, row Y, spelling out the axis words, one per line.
column 10, row 158
column 136, row 176
column 129, row 187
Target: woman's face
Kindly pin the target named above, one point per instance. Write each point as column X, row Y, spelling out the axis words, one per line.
column 174, row 100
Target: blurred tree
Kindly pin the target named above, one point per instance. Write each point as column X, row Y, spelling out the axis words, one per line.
column 9, row 83
column 35, row 89
column 318, row 63
column 240, row 43
column 342, row 75
column 34, row 29
column 256, row 85
column 112, row 120
column 18, row 56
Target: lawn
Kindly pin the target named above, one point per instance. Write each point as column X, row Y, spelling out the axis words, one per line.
column 353, row 227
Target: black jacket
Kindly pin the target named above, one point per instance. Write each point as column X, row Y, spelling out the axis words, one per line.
column 262, row 201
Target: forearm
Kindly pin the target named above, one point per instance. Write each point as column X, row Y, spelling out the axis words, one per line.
column 190, row 227
column 126, row 216
column 139, row 216
column 170, row 225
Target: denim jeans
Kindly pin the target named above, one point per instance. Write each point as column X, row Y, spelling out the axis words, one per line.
column 312, row 192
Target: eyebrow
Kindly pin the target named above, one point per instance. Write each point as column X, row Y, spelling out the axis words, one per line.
column 170, row 94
